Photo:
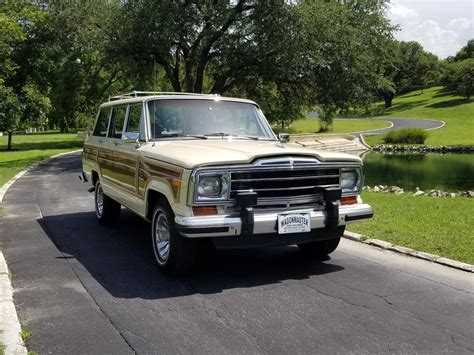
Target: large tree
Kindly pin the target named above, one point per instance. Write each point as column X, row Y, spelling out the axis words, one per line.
column 290, row 54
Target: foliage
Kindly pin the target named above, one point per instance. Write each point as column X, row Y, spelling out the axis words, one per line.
column 464, row 77
column 406, row 136
column 441, row 226
column 466, row 52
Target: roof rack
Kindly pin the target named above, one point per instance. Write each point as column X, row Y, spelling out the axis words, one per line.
column 135, row 93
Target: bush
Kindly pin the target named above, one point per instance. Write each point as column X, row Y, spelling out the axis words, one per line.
column 406, row 135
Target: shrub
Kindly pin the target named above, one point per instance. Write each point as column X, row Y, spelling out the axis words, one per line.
column 406, row 135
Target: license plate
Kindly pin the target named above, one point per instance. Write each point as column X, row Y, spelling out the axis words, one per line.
column 294, row 223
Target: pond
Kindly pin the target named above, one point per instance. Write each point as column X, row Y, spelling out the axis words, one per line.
column 449, row 172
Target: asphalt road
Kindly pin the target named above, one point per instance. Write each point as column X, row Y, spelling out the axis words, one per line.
column 84, row 288
column 399, row 123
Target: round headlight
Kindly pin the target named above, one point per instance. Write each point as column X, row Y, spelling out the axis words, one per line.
column 209, row 186
column 348, row 180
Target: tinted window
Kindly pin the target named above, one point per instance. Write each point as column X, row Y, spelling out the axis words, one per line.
column 100, row 129
column 135, row 121
column 206, row 117
column 116, row 124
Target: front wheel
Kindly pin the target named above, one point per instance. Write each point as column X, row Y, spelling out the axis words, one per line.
column 106, row 209
column 174, row 254
column 322, row 248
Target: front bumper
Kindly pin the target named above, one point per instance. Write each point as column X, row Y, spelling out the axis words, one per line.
column 264, row 222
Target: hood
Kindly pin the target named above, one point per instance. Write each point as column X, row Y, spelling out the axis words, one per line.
column 196, row 153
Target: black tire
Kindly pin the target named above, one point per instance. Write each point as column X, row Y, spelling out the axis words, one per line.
column 181, row 255
column 322, row 248
column 106, row 209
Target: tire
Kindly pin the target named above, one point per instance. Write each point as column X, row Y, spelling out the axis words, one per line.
column 106, row 209
column 322, row 248
column 174, row 254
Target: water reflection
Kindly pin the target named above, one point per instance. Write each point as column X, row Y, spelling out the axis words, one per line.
column 450, row 172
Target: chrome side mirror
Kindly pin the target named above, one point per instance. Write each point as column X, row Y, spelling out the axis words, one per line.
column 283, row 137
column 130, row 137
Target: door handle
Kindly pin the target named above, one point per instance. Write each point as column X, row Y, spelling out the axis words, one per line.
column 118, row 143
column 101, row 141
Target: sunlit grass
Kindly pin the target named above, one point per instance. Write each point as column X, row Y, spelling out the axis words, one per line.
column 30, row 149
column 438, row 104
column 437, row 225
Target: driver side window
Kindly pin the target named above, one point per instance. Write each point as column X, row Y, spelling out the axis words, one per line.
column 135, row 122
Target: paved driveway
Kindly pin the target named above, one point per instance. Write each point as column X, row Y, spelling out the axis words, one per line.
column 84, row 288
column 399, row 123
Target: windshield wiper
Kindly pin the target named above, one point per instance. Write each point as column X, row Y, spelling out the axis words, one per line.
column 220, row 134
column 183, row 135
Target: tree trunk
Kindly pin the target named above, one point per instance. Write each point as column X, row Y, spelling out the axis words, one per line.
column 388, row 100
column 9, row 146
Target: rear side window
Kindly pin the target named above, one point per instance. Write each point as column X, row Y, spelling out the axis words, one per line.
column 100, row 129
column 117, row 121
column 135, row 121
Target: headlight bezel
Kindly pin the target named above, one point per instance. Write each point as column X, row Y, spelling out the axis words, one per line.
column 356, row 186
column 222, row 195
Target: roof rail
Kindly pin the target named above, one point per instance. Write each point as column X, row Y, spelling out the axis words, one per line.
column 135, row 93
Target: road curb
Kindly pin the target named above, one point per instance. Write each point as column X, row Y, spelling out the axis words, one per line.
column 410, row 252
column 10, row 324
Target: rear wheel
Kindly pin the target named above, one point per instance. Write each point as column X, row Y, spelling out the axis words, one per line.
column 106, row 209
column 174, row 254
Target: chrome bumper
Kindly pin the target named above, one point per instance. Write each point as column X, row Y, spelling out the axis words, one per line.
column 264, row 222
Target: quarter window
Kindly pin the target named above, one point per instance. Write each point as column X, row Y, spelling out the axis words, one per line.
column 135, row 121
column 100, row 129
column 116, row 124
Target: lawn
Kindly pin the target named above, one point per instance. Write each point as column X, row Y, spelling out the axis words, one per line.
column 310, row 125
column 438, row 104
column 31, row 148
column 441, row 226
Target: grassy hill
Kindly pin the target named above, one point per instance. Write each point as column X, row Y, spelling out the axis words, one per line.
column 439, row 104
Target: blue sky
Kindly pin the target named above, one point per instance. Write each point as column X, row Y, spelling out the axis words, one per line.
column 441, row 26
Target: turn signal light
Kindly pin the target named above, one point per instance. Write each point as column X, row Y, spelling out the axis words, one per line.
column 204, row 210
column 349, row 200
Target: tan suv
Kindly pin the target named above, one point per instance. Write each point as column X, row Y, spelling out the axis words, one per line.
column 205, row 168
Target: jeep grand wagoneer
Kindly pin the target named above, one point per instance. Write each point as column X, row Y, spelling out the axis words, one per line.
column 205, row 168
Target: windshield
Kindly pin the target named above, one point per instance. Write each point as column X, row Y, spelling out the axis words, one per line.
column 206, row 119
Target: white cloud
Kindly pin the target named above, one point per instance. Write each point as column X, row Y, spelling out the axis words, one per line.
column 433, row 24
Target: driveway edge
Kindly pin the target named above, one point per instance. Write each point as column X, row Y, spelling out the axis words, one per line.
column 409, row 252
column 10, row 324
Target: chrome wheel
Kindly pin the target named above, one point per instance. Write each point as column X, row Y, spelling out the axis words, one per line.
column 99, row 200
column 161, row 237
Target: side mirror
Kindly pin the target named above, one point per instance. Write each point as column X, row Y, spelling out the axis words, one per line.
column 130, row 137
column 283, row 137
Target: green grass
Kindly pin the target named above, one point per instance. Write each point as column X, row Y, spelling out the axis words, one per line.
column 2, row 349
column 310, row 125
column 31, row 148
column 441, row 226
column 25, row 334
column 438, row 104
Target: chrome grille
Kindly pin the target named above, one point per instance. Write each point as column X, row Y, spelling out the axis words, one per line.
column 290, row 180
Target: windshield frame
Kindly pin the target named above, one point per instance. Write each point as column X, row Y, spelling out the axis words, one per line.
column 263, row 120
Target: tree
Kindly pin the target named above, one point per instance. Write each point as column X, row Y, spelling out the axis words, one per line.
column 466, row 52
column 408, row 67
column 22, row 101
column 290, row 54
column 465, row 78
column 10, row 111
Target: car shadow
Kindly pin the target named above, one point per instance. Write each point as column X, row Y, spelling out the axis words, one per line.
column 120, row 258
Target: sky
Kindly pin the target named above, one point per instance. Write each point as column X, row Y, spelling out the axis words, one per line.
column 442, row 27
